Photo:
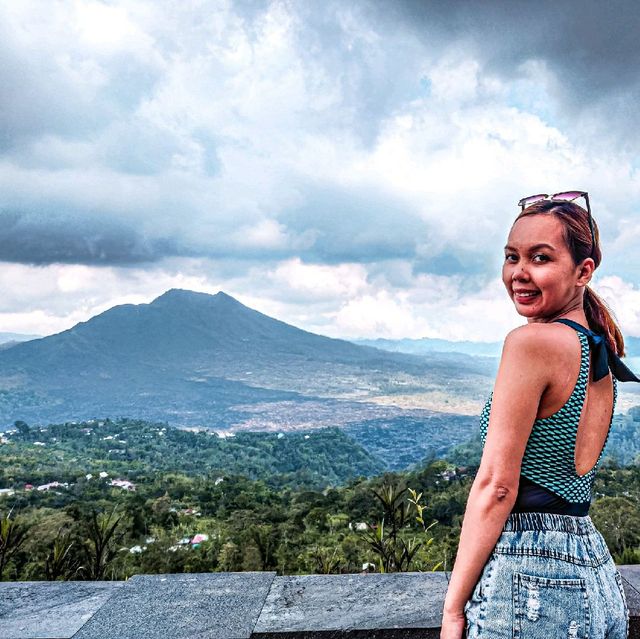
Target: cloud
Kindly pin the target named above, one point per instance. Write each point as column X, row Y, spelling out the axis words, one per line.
column 623, row 298
column 348, row 300
column 44, row 238
column 49, row 299
column 365, row 153
column 69, row 68
column 294, row 127
column 589, row 51
column 345, row 300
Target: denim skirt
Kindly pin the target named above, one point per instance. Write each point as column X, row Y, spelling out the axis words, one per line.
column 549, row 576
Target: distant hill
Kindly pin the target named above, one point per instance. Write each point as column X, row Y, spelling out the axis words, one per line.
column 197, row 359
column 428, row 345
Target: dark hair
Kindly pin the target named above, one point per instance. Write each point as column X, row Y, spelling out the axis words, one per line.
column 577, row 236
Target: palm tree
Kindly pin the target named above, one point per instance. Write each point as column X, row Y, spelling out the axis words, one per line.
column 101, row 549
column 12, row 536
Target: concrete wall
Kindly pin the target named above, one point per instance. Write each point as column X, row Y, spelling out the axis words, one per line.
column 235, row 605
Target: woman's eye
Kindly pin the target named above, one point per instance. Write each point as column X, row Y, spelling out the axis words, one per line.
column 508, row 255
column 542, row 255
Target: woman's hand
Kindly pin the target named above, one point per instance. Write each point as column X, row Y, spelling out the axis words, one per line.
column 453, row 625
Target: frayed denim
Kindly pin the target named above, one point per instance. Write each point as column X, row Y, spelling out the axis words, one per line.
column 549, row 576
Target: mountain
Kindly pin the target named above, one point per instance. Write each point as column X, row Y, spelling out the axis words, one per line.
column 427, row 345
column 197, row 359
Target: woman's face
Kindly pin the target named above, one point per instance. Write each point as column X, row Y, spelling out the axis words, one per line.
column 538, row 271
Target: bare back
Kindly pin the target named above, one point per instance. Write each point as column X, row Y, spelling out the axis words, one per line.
column 596, row 411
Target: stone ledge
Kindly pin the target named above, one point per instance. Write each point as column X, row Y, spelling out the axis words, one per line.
column 186, row 606
column 352, row 606
column 241, row 605
column 50, row 609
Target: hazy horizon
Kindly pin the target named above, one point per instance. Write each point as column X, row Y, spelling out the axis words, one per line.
column 6, row 336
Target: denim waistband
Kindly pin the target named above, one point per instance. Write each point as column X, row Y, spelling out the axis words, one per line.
column 550, row 521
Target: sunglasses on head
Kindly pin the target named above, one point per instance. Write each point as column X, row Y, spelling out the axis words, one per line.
column 565, row 196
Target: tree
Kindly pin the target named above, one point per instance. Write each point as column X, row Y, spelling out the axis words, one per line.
column 230, row 557
column 393, row 553
column 396, row 553
column 23, row 429
column 104, row 533
column 325, row 560
column 265, row 538
column 60, row 562
column 12, row 536
column 619, row 520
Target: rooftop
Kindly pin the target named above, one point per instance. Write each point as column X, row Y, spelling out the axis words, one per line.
column 237, row 605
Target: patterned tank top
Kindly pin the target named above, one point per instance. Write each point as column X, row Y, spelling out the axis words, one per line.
column 548, row 466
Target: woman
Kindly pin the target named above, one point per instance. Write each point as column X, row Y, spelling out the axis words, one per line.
column 530, row 562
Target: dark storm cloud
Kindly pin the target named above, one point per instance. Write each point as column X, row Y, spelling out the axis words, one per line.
column 176, row 112
column 591, row 47
column 65, row 93
column 353, row 226
column 36, row 239
column 376, row 70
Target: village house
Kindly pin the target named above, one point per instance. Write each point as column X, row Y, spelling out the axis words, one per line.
column 53, row 484
column 123, row 483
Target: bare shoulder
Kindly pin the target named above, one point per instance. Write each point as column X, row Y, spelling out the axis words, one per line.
column 540, row 341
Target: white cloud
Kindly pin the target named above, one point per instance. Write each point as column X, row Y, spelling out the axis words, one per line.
column 320, row 282
column 103, row 27
column 381, row 315
column 52, row 298
column 331, row 170
column 623, row 298
column 344, row 300
column 339, row 300
column 454, row 80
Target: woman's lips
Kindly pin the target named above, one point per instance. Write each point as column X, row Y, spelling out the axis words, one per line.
column 527, row 298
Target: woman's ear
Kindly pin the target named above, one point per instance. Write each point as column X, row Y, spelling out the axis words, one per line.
column 585, row 272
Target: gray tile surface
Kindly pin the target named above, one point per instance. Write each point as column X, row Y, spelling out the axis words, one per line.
column 50, row 609
column 325, row 603
column 631, row 574
column 631, row 581
column 232, row 605
column 186, row 606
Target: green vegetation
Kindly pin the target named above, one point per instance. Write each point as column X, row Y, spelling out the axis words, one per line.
column 109, row 499
column 137, row 450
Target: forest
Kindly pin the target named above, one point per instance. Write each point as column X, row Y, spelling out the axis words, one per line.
column 109, row 499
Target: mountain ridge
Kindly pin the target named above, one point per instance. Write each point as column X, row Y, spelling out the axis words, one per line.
column 197, row 358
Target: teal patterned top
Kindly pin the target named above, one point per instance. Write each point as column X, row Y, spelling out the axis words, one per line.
column 549, row 455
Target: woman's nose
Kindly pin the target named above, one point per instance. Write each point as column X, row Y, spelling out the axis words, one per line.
column 520, row 274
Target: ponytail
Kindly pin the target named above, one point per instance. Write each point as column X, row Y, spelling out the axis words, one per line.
column 601, row 320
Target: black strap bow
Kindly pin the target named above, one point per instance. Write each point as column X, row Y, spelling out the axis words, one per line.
column 603, row 357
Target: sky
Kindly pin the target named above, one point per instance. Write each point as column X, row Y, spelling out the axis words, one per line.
column 351, row 168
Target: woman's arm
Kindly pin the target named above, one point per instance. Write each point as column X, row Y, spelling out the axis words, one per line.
column 523, row 376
